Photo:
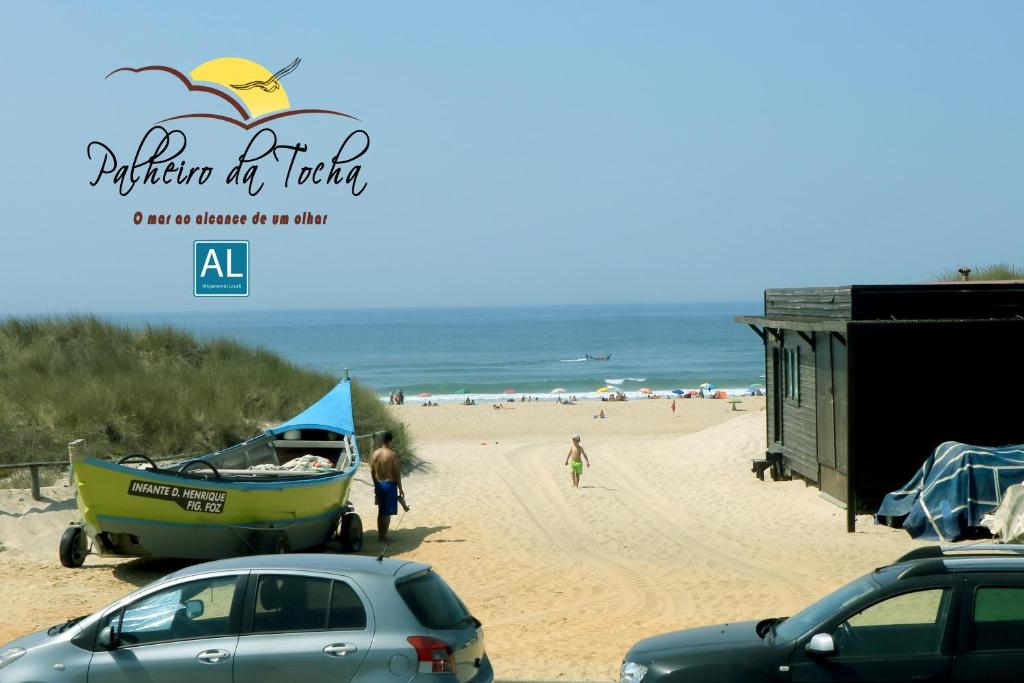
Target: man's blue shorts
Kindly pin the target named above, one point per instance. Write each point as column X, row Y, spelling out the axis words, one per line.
column 385, row 495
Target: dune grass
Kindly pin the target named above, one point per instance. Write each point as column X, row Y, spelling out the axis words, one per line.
column 155, row 390
column 995, row 271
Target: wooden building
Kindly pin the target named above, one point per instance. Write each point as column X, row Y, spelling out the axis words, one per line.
column 864, row 381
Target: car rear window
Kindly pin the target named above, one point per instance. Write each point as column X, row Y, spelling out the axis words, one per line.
column 432, row 602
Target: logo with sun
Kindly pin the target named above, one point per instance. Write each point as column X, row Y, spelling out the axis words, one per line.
column 253, row 91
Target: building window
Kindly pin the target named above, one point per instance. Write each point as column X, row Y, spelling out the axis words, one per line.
column 792, row 374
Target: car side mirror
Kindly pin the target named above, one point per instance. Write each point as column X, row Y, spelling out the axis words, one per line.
column 821, row 644
column 194, row 609
column 107, row 638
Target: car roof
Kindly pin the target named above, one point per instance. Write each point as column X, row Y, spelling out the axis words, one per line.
column 931, row 560
column 321, row 562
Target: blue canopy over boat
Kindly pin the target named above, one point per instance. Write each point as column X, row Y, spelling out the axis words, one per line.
column 953, row 490
column 333, row 413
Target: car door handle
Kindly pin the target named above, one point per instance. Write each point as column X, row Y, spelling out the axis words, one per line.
column 339, row 649
column 213, row 656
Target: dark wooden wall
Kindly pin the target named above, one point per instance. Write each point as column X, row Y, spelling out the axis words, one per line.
column 799, row 430
column 818, row 302
column 914, row 386
column 952, row 300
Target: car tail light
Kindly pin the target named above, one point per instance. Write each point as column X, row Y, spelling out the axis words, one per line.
column 435, row 656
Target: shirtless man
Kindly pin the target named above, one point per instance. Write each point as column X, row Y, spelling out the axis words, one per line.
column 575, row 453
column 387, row 484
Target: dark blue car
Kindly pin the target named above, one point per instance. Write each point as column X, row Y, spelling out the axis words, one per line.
column 938, row 614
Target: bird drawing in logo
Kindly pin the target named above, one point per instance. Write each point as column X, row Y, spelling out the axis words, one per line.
column 271, row 84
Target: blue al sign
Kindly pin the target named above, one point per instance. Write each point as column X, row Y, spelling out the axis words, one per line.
column 221, row 268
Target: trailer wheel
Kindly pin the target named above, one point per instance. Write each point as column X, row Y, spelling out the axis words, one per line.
column 351, row 533
column 73, row 547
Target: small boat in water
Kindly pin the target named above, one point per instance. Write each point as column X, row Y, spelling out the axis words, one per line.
column 286, row 489
column 606, row 356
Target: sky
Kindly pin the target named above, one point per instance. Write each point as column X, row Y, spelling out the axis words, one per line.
column 523, row 153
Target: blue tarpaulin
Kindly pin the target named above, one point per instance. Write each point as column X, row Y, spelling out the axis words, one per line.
column 957, row 485
column 333, row 413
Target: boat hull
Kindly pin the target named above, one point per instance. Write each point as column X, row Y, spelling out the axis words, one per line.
column 129, row 511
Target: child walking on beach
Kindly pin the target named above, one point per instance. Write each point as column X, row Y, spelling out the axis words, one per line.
column 573, row 460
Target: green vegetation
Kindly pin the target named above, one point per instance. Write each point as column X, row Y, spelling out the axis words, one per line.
column 996, row 271
column 156, row 390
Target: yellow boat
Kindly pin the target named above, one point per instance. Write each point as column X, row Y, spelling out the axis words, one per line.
column 232, row 502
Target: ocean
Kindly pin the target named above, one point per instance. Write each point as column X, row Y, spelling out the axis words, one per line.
column 483, row 352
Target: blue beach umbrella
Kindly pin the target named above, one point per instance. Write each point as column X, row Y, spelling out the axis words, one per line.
column 678, row 392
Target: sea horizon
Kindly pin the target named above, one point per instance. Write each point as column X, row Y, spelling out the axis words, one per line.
column 484, row 351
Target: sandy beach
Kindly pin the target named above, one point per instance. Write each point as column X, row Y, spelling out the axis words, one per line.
column 669, row 529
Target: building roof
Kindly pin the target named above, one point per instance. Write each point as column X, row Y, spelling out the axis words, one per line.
column 834, row 309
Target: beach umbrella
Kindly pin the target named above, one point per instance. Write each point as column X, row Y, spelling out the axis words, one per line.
column 605, row 389
column 645, row 390
column 558, row 390
column 424, row 394
column 510, row 391
column 708, row 385
column 678, row 392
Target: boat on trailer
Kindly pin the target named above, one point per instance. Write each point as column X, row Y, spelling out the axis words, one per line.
column 237, row 501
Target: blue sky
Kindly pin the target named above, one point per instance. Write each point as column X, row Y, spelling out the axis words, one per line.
column 527, row 153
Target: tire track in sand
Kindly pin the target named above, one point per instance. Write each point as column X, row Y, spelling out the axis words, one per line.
column 688, row 538
column 635, row 590
column 571, row 535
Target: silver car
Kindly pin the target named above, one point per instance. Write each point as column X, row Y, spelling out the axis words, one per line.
column 267, row 619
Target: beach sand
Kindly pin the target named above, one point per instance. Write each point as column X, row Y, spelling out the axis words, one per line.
column 669, row 529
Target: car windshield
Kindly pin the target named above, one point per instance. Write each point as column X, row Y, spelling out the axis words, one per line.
column 803, row 621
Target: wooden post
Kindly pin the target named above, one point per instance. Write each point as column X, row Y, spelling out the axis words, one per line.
column 34, row 472
column 75, row 449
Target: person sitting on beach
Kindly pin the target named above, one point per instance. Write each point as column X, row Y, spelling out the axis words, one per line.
column 574, row 462
column 387, row 484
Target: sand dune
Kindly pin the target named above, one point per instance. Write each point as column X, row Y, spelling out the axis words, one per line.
column 669, row 529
